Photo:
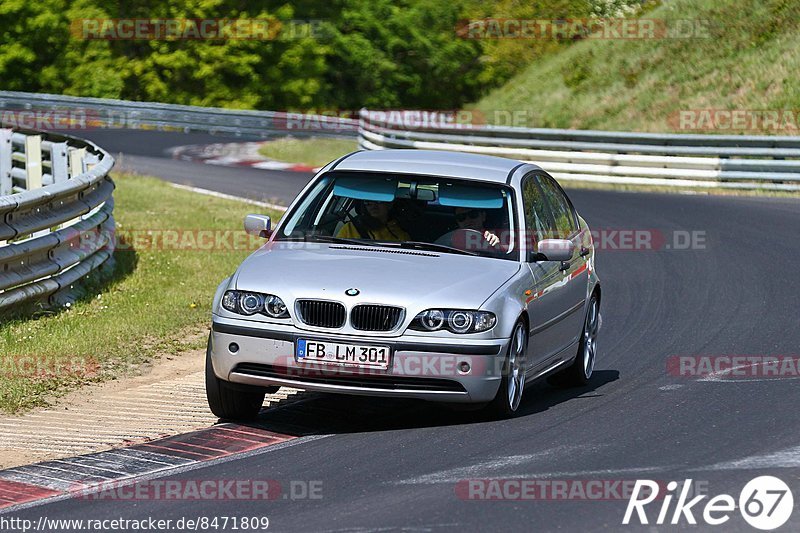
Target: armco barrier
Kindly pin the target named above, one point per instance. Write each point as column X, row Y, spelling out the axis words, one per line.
column 680, row 160
column 54, row 192
column 59, row 112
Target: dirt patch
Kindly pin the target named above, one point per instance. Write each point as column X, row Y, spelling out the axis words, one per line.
column 166, row 398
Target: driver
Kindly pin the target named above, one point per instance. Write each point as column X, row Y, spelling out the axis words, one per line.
column 475, row 219
column 376, row 224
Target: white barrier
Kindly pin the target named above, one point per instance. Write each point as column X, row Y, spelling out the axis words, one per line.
column 725, row 161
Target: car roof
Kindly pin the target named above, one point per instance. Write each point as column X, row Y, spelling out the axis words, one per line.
column 432, row 163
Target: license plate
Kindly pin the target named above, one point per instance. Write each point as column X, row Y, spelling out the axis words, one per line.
column 333, row 353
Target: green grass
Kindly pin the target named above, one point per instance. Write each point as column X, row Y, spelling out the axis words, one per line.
column 158, row 301
column 750, row 62
column 314, row 152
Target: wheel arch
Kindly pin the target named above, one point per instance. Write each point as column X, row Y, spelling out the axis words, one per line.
column 526, row 319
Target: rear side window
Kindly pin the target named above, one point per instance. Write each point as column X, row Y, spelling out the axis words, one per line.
column 563, row 216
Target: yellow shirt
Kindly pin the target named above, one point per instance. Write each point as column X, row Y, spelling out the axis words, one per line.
column 389, row 232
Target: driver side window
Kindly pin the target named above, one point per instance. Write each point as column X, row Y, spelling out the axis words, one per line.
column 563, row 215
column 539, row 223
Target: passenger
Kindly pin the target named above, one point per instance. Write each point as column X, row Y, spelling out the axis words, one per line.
column 377, row 223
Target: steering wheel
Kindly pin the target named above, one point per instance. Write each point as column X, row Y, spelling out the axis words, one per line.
column 463, row 239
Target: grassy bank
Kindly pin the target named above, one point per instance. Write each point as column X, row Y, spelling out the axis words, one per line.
column 745, row 59
column 314, row 152
column 174, row 249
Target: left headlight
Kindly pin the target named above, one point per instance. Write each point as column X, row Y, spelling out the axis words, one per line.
column 250, row 303
column 455, row 320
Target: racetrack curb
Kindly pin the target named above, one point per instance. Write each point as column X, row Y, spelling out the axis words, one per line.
column 79, row 475
column 235, row 155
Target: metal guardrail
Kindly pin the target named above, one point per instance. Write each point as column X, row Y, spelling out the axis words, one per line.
column 683, row 160
column 680, row 160
column 56, row 215
column 109, row 113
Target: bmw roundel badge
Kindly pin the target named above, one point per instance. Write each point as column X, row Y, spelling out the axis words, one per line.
column 352, row 292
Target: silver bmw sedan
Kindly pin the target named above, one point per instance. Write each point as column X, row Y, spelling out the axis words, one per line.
column 436, row 275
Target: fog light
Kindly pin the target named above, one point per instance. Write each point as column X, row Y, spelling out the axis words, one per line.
column 233, row 347
column 463, row 366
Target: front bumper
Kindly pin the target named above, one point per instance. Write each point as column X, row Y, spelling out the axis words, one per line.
column 421, row 367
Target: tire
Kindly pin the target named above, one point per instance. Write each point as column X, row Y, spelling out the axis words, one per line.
column 512, row 385
column 227, row 402
column 580, row 371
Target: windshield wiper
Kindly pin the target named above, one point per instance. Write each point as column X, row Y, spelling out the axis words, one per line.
column 338, row 240
column 419, row 245
column 415, row 245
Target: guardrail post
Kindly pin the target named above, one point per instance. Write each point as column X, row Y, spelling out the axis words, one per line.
column 33, row 162
column 76, row 156
column 6, row 183
column 58, row 162
column 76, row 166
column 89, row 161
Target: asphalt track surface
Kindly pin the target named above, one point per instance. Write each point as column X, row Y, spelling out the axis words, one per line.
column 147, row 153
column 395, row 464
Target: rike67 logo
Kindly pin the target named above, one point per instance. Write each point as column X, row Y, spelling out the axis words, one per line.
column 765, row 503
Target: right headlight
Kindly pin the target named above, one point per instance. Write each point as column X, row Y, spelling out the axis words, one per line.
column 454, row 320
column 250, row 303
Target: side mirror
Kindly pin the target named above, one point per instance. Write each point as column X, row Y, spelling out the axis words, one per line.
column 554, row 250
column 259, row 225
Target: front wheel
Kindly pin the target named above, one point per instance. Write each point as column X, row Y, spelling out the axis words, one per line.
column 227, row 402
column 512, row 385
column 580, row 371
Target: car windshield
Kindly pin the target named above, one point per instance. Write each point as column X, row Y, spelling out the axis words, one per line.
column 380, row 209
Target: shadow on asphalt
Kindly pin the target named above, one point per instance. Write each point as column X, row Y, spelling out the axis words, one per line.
column 312, row 413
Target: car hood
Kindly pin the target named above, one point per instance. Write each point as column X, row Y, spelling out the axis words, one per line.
column 410, row 278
